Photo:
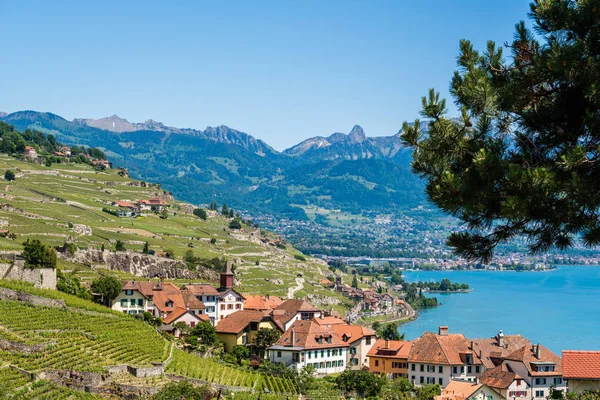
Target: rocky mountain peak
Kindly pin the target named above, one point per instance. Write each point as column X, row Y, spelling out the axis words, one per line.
column 3, row 114
column 114, row 123
column 357, row 135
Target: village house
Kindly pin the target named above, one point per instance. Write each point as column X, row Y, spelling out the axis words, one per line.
column 293, row 310
column 581, row 370
column 539, row 367
column 308, row 343
column 135, row 298
column 360, row 340
column 153, row 204
column 65, row 150
column 465, row 390
column 492, row 350
column 389, row 358
column 207, row 294
column 241, row 327
column 189, row 317
column 228, row 300
column 126, row 209
column 508, row 384
column 442, row 357
column 104, row 164
column 30, row 153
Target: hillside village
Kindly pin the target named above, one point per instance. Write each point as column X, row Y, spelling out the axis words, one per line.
column 208, row 297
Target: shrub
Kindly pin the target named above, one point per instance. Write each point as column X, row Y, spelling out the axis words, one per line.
column 119, row 246
column 9, row 175
column 107, row 286
column 299, row 257
column 235, row 224
column 38, row 255
column 200, row 213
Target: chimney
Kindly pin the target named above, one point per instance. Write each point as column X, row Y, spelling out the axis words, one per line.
column 472, row 345
column 500, row 338
column 387, row 344
column 292, row 337
column 443, row 331
column 537, row 351
column 268, row 297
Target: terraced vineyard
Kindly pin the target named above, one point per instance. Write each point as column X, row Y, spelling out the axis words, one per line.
column 190, row 366
column 44, row 390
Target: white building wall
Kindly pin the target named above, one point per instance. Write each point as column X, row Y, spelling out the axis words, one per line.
column 123, row 303
column 324, row 361
column 442, row 374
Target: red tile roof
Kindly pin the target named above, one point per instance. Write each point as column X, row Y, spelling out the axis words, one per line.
column 399, row 348
column 458, row 390
column 289, row 308
column 498, row 377
column 449, row 349
column 350, row 333
column 239, row 320
column 254, row 302
column 330, row 321
column 124, row 204
column 309, row 335
column 178, row 312
column 581, row 364
column 527, row 356
column 491, row 352
column 199, row 289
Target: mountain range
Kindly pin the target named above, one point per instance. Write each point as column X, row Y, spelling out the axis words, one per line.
column 349, row 172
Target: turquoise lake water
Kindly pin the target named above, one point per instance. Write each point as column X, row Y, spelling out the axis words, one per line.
column 559, row 309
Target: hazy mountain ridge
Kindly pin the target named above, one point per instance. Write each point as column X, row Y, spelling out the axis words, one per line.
column 350, row 172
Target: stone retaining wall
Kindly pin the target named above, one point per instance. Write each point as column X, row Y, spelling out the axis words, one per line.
column 9, row 294
column 44, row 278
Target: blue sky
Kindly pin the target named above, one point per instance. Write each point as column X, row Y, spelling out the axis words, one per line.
column 282, row 71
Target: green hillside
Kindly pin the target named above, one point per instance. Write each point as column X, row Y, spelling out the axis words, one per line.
column 51, row 203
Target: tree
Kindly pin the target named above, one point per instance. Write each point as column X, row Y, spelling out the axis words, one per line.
column 9, row 175
column 164, row 214
column 363, row 383
column 205, row 332
column 200, row 213
column 107, row 286
column 119, row 246
column 427, row 392
column 524, row 156
column 240, row 353
column 390, row 332
column 183, row 391
column 225, row 210
column 264, row 339
column 445, row 284
column 38, row 255
column 355, row 282
column 235, row 224
column 191, row 340
column 70, row 284
column 146, row 248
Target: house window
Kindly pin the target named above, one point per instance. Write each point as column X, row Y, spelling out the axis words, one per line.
column 210, row 298
column 440, row 381
column 557, row 381
column 454, row 370
column 278, row 354
column 412, row 367
column 128, row 292
column 192, row 324
column 462, row 369
column 469, row 369
column 441, row 369
column 422, row 368
column 334, row 352
column 328, row 353
column 340, row 363
column 540, row 381
column 430, row 380
column 309, row 354
column 422, row 380
column 412, row 378
column 238, row 306
column 328, row 364
column 477, row 369
column 222, row 307
column 368, row 340
column 539, row 393
column 140, row 302
column 316, row 354
column 124, row 303
column 132, row 302
column 377, row 363
column 230, row 306
column 431, row 368
column 322, row 353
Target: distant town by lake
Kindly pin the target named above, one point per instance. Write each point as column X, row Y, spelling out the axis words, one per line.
column 559, row 309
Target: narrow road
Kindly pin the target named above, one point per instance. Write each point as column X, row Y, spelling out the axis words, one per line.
column 293, row 290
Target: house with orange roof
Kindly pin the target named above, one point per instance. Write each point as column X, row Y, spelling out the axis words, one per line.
column 152, row 204
column 492, row 350
column 135, row 298
column 185, row 315
column 507, row 383
column 439, row 358
column 466, row 390
column 307, row 343
column 293, row 310
column 360, row 340
column 329, row 320
column 241, row 327
column 581, row 370
column 30, row 153
column 389, row 358
column 261, row 303
column 207, row 294
column 540, row 368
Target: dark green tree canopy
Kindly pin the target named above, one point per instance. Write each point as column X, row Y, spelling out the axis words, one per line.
column 38, row 255
column 108, row 286
column 523, row 159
